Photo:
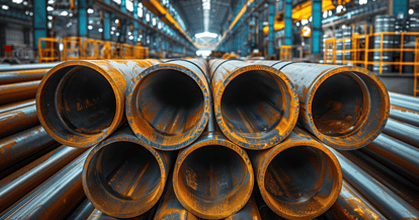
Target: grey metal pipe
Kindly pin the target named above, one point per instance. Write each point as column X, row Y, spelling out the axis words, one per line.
column 405, row 104
column 406, row 98
column 17, row 105
column 17, row 120
column 82, row 212
column 27, row 67
column 402, row 131
column 405, row 115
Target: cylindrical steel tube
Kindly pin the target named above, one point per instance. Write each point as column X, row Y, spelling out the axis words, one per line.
column 402, row 131
column 17, row 105
column 21, row 182
column 392, row 180
column 249, row 212
column 169, row 206
column 18, row 120
column 383, row 199
column 299, row 178
column 405, row 115
column 80, row 103
column 407, row 98
column 351, row 205
column 82, row 211
column 27, row 67
column 213, row 178
column 22, row 75
column 345, row 107
column 123, row 178
column 395, row 154
column 167, row 105
column 17, row 91
column 54, row 198
column 98, row 215
column 18, row 146
column 256, row 106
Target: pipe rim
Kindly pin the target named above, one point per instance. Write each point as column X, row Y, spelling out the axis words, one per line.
column 337, row 183
column 293, row 104
column 343, row 142
column 219, row 141
column 163, row 142
column 159, row 159
column 83, row 140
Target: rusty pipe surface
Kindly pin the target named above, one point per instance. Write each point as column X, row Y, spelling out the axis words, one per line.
column 395, row 154
column 169, row 206
column 17, row 105
column 404, row 115
column 22, row 75
column 31, row 66
column 351, row 205
column 167, row 105
column 345, row 107
column 256, row 106
column 17, row 91
column 17, row 120
column 98, row 215
column 249, row 212
column 21, row 182
column 402, row 131
column 299, row 178
column 80, row 103
column 392, row 180
column 54, row 198
column 82, row 211
column 21, row 145
column 213, row 178
column 382, row 198
column 124, row 178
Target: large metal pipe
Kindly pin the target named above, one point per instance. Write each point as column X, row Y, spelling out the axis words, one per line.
column 54, row 198
column 395, row 154
column 407, row 98
column 345, row 107
column 27, row 67
column 402, row 131
column 21, row 182
column 18, row 120
column 405, row 115
column 98, row 215
column 382, row 198
column 17, row 91
column 17, row 105
column 213, row 178
column 169, row 206
column 82, row 211
column 167, row 105
column 249, row 212
column 124, row 178
column 80, row 103
column 392, row 180
column 21, row 145
column 256, row 106
column 299, row 178
column 351, row 205
column 22, row 75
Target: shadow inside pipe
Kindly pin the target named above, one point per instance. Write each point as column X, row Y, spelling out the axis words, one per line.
column 170, row 102
column 213, row 179
column 254, row 103
column 340, row 104
column 300, row 180
column 123, row 177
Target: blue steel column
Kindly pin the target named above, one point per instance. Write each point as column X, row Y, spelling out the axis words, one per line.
column 106, row 34
column 288, row 22
column 135, row 23
column 271, row 27
column 123, row 6
column 39, row 21
column 82, row 16
column 400, row 6
column 316, row 26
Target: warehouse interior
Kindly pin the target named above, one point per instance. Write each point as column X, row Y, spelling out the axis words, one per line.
column 209, row 109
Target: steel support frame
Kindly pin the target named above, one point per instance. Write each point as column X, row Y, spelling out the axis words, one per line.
column 288, row 22
column 39, row 21
column 271, row 28
column 316, row 27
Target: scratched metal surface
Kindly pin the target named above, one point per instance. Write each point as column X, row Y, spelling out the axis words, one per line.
column 17, row 120
column 18, row 91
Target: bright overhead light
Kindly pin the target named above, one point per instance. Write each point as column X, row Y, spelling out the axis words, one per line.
column 17, row 1
column 64, row 13
column 117, row 34
column 5, row 7
column 116, row 21
column 131, row 37
column 343, row 26
column 90, row 27
column 50, row 8
column 90, row 11
column 25, row 3
column 49, row 17
column 112, row 32
column 411, row 11
column 206, row 34
column 206, row 4
column 363, row 2
column 203, row 53
column 100, row 30
column 113, row 28
column 304, row 21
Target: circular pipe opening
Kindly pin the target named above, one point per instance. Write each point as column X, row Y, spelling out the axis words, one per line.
column 123, row 179
column 214, row 181
column 77, row 105
column 258, row 107
column 340, row 105
column 301, row 182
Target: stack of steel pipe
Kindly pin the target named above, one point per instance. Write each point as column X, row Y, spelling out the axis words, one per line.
column 196, row 139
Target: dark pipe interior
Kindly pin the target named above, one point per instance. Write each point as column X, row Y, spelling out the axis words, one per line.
column 299, row 177
column 209, row 175
column 170, row 101
column 253, row 103
column 338, row 105
column 85, row 101
column 126, row 171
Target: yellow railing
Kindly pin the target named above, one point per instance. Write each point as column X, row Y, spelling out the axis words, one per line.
column 48, row 50
column 285, row 53
column 416, row 72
